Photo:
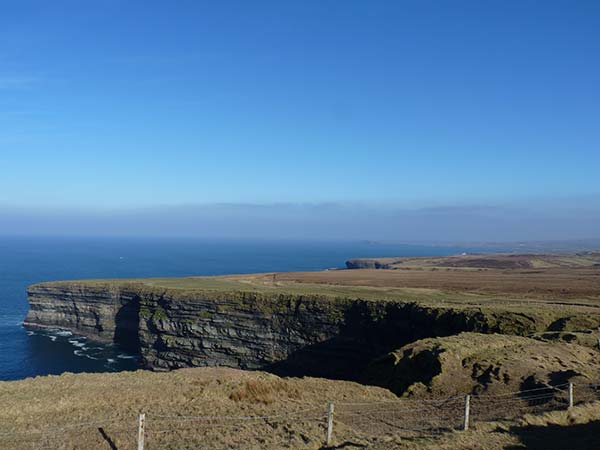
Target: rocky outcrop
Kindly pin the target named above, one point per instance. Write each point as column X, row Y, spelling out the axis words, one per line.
column 284, row 333
column 477, row 363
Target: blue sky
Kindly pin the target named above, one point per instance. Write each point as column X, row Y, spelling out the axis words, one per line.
column 109, row 106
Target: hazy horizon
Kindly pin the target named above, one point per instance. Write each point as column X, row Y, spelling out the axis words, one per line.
column 411, row 121
column 539, row 221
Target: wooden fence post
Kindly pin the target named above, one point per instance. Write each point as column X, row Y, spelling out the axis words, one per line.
column 329, row 424
column 467, row 412
column 141, row 426
column 570, row 393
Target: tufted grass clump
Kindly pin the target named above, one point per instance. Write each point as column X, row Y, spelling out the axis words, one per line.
column 264, row 391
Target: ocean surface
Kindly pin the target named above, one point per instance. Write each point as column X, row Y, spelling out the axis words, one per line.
column 24, row 261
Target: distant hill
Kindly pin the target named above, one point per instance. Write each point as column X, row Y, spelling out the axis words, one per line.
column 482, row 261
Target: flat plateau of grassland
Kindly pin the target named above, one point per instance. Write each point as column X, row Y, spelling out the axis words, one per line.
column 568, row 280
column 486, row 261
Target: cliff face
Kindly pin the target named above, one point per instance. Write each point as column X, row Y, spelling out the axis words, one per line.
column 74, row 307
column 287, row 334
column 242, row 330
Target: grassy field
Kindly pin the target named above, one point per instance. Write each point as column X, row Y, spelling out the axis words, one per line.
column 556, row 280
column 486, row 261
column 218, row 409
column 111, row 404
column 562, row 276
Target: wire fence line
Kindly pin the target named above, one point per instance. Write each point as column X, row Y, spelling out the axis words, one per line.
column 301, row 428
column 182, row 417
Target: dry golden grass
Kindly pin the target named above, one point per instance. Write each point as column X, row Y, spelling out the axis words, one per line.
column 45, row 413
column 576, row 429
column 39, row 412
column 264, row 391
column 482, row 363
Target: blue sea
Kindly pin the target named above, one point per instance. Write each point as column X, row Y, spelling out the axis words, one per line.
column 24, row 261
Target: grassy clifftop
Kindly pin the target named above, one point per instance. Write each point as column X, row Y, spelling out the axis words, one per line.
column 548, row 287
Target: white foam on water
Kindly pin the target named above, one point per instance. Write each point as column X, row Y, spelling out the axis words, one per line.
column 30, row 333
column 52, row 338
column 110, row 360
column 62, row 333
column 80, row 353
column 124, row 356
column 76, row 343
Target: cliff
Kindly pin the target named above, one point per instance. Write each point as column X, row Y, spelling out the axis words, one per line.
column 279, row 331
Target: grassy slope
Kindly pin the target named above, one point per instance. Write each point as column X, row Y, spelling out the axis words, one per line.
column 109, row 405
column 577, row 429
column 115, row 400
column 488, row 363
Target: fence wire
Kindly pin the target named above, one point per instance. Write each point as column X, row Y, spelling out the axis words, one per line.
column 302, row 428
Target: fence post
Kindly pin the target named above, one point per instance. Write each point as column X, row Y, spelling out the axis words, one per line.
column 570, row 393
column 141, row 425
column 329, row 424
column 467, row 412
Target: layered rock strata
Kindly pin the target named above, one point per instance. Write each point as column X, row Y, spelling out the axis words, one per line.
column 284, row 333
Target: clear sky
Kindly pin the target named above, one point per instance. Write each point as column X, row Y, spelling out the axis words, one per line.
column 109, row 106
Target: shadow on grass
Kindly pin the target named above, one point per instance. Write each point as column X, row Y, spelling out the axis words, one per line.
column 345, row 445
column 555, row 437
column 107, row 438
